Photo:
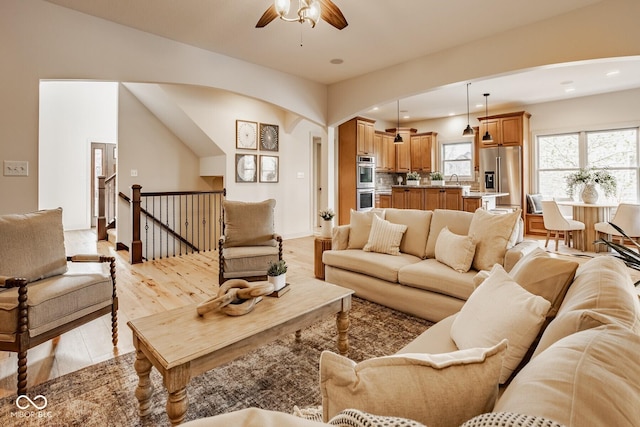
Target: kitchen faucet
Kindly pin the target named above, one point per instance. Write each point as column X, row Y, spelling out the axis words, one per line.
column 457, row 179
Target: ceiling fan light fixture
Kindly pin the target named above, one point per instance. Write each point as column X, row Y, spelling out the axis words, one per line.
column 282, row 7
column 468, row 131
column 487, row 136
column 311, row 12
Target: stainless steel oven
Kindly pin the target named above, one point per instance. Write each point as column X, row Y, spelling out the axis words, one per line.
column 366, row 173
column 366, row 199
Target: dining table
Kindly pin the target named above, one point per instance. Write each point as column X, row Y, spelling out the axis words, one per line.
column 589, row 214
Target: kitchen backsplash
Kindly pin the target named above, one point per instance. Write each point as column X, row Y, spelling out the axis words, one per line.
column 384, row 181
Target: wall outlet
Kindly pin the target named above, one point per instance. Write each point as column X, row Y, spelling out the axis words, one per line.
column 134, row 172
column 15, row 168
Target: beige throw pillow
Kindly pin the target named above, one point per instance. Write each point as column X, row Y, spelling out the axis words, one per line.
column 249, row 223
column 434, row 389
column 454, row 250
column 385, row 237
column 500, row 309
column 360, row 227
column 492, row 233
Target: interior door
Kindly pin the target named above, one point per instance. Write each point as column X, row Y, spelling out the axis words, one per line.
column 103, row 163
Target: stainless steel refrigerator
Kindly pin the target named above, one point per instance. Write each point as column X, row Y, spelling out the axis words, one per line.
column 501, row 172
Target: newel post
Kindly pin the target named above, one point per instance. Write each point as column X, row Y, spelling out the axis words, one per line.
column 136, row 243
column 102, row 221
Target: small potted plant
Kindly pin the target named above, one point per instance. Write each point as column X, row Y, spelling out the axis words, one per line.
column 327, row 221
column 413, row 178
column 437, row 178
column 586, row 180
column 277, row 274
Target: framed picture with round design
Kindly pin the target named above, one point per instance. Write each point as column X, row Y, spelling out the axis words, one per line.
column 269, row 137
column 246, row 168
column 268, row 168
column 246, row 135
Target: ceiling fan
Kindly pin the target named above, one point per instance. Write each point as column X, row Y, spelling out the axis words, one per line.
column 308, row 10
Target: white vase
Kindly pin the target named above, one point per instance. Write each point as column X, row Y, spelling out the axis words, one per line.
column 589, row 194
column 439, row 182
column 413, row 183
column 278, row 282
column 327, row 227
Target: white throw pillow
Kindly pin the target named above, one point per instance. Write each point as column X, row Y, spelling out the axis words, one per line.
column 360, row 227
column 385, row 237
column 454, row 250
column 500, row 309
column 434, row 389
column 492, row 233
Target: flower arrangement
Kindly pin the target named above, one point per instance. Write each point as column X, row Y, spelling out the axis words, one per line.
column 413, row 176
column 327, row 214
column 437, row 176
column 277, row 268
column 582, row 177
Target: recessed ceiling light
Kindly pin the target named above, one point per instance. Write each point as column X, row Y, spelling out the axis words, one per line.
column 479, row 105
column 337, row 61
column 375, row 109
column 406, row 117
column 452, row 114
column 570, row 89
column 613, row 73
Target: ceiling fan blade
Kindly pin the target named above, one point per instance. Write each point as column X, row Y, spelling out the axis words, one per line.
column 332, row 14
column 268, row 16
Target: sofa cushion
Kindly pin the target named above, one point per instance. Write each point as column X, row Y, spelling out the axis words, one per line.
column 500, row 308
column 509, row 419
column 543, row 275
column 589, row 378
column 434, row 389
column 360, row 227
column 249, row 223
column 436, row 339
column 455, row 250
column 491, row 232
column 418, row 223
column 32, row 245
column 457, row 221
column 432, row 275
column 384, row 237
column 382, row 266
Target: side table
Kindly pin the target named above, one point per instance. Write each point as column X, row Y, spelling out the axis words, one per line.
column 320, row 245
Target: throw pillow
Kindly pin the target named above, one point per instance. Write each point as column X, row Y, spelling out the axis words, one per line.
column 491, row 232
column 454, row 250
column 534, row 203
column 249, row 223
column 509, row 419
column 385, row 237
column 500, row 309
column 356, row 418
column 434, row 389
column 32, row 245
column 360, row 227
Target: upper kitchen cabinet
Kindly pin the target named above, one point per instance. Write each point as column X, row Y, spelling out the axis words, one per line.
column 403, row 151
column 385, row 152
column 421, row 149
column 364, row 136
column 506, row 129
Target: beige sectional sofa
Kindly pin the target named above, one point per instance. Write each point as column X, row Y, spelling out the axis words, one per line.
column 582, row 371
column 416, row 281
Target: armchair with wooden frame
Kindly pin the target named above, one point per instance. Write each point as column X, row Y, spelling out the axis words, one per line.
column 45, row 293
column 248, row 242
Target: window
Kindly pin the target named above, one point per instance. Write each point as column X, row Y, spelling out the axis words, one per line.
column 561, row 154
column 456, row 159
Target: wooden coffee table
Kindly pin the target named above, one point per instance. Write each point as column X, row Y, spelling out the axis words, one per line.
column 181, row 345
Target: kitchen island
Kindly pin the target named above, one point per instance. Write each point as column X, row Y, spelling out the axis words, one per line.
column 430, row 197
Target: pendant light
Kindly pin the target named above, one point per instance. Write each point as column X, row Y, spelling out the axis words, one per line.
column 487, row 136
column 468, row 130
column 398, row 139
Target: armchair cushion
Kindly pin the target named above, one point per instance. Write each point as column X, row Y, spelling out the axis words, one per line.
column 249, row 223
column 248, row 260
column 32, row 245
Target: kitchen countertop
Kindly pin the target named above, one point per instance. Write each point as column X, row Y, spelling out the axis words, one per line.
column 481, row 194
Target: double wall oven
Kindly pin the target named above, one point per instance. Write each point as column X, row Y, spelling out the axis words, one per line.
column 366, row 183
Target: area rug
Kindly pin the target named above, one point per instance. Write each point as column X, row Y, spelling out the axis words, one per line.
column 277, row 376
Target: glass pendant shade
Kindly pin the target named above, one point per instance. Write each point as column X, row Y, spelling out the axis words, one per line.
column 282, row 7
column 468, row 131
column 313, row 13
column 487, row 136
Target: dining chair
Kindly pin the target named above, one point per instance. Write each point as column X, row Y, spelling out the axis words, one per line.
column 555, row 221
column 627, row 217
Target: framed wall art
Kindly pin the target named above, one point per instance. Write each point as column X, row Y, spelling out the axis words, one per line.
column 269, row 137
column 269, row 169
column 246, row 168
column 246, row 135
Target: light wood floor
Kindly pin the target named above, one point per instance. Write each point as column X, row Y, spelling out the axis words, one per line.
column 143, row 289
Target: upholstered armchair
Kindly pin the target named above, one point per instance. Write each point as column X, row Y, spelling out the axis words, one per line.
column 248, row 241
column 43, row 292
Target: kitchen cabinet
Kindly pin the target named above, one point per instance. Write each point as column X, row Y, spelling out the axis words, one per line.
column 421, row 151
column 403, row 151
column 384, row 150
column 407, row 198
column 506, row 129
column 355, row 138
column 383, row 201
column 470, row 204
column 443, row 198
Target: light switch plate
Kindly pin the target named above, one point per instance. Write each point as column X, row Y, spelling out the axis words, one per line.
column 15, row 168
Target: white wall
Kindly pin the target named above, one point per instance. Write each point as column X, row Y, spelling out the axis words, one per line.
column 72, row 116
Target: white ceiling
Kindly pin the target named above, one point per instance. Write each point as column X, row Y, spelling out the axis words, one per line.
column 380, row 34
